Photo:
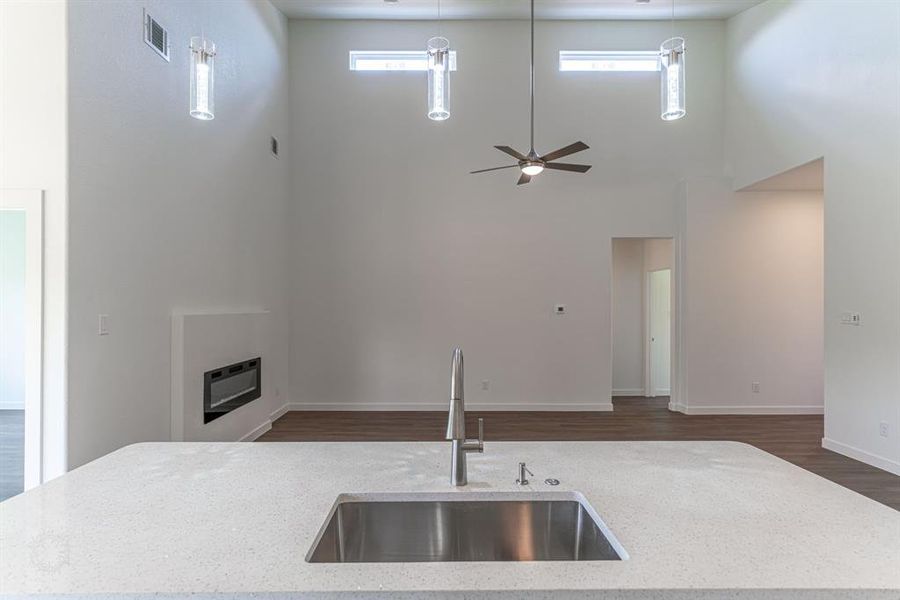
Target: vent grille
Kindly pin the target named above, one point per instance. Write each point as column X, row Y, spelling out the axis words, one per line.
column 156, row 36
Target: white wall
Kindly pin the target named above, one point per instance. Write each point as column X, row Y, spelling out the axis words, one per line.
column 632, row 259
column 628, row 317
column 398, row 254
column 33, row 134
column 657, row 254
column 788, row 107
column 752, row 308
column 166, row 212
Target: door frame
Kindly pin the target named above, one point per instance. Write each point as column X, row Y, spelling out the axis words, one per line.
column 677, row 355
column 31, row 202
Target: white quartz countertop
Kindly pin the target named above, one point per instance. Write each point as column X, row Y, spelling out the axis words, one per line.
column 698, row 519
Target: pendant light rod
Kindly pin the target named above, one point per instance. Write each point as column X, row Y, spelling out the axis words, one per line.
column 532, row 76
column 672, row 21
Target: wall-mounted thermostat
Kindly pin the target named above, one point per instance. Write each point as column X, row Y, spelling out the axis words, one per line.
column 851, row 318
column 559, row 309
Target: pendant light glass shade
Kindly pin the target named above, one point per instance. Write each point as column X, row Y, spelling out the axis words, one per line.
column 438, row 79
column 203, row 52
column 671, row 56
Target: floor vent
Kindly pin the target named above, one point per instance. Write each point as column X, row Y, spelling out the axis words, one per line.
column 156, row 36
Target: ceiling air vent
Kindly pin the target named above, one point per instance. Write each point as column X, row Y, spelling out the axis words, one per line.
column 156, row 36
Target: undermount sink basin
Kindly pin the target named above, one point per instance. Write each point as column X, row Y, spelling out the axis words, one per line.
column 484, row 527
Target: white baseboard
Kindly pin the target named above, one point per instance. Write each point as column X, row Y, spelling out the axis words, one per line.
column 677, row 407
column 442, row 407
column 257, row 432
column 750, row 410
column 638, row 392
column 277, row 414
column 266, row 426
column 880, row 462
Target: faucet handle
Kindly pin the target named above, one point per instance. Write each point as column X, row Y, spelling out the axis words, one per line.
column 476, row 445
column 479, row 447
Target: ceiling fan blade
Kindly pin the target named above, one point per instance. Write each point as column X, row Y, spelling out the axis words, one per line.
column 523, row 179
column 567, row 167
column 570, row 149
column 492, row 169
column 514, row 153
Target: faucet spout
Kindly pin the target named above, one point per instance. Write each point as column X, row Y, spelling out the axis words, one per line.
column 456, row 424
column 456, row 421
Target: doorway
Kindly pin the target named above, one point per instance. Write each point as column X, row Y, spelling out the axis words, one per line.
column 21, row 274
column 642, row 297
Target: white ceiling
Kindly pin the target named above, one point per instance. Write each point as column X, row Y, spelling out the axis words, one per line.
column 512, row 9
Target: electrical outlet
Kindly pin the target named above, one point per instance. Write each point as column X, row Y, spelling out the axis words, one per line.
column 883, row 429
column 102, row 324
column 485, row 385
column 754, row 387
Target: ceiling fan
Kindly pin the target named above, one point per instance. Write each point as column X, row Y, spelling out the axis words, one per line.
column 532, row 164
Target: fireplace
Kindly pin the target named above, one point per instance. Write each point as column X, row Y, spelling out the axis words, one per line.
column 230, row 387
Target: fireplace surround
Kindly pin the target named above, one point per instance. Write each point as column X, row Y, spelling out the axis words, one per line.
column 208, row 341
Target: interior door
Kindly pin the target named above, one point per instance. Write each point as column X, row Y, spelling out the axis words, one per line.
column 659, row 284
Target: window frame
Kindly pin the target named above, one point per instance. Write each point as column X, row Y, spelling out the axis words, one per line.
column 398, row 56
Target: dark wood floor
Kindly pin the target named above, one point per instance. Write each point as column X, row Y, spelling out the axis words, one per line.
column 795, row 438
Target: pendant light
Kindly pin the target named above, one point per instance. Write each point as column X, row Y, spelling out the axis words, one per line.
column 203, row 52
column 671, row 57
column 438, row 75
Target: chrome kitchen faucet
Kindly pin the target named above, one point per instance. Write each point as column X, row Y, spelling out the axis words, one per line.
column 456, row 424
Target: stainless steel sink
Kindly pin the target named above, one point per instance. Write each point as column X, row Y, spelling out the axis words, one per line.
column 500, row 528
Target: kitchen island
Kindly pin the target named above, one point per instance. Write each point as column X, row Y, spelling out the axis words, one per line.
column 233, row 520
